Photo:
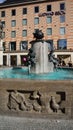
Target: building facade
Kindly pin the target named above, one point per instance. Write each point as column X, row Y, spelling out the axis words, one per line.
column 20, row 18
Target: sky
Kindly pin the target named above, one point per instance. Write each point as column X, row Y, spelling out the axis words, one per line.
column 1, row 1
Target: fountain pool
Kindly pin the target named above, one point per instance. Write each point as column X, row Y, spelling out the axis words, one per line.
column 22, row 73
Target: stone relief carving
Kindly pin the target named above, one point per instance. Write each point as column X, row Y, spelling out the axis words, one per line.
column 17, row 101
column 33, row 101
column 54, row 105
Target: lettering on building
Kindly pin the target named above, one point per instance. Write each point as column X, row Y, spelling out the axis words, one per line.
column 56, row 13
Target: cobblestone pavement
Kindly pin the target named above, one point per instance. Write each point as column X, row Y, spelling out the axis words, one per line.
column 16, row 123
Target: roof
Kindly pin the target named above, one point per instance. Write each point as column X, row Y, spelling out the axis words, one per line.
column 8, row 3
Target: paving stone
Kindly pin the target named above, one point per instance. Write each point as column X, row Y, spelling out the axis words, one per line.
column 19, row 123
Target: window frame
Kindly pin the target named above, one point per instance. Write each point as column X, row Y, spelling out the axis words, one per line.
column 49, row 8
column 62, row 18
column 24, row 23
column 13, row 12
column 61, row 45
column 36, row 9
column 49, row 30
column 24, row 11
column 21, row 45
column 62, row 8
column 24, row 33
column 13, row 23
column 36, row 20
column 3, row 34
column 2, row 13
column 3, row 23
column 12, row 46
column 62, row 30
column 50, row 20
column 13, row 34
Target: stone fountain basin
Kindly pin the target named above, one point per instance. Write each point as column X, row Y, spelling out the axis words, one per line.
column 38, row 94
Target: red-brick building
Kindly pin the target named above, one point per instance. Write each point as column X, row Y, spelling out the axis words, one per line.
column 20, row 18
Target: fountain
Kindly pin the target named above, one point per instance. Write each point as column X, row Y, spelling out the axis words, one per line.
column 41, row 63
column 37, row 98
column 38, row 60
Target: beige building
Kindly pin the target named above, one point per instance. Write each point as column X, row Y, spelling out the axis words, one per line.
column 20, row 18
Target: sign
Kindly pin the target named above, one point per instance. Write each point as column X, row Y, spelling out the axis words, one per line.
column 52, row 13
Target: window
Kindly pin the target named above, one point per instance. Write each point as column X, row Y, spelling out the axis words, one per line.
column 36, row 9
column 13, row 13
column 62, row 18
column 62, row 44
column 50, row 44
column 49, row 31
column 36, row 20
column 13, row 23
column 3, row 14
column 62, row 30
column 24, row 22
column 4, row 48
column 48, row 7
column 24, row 33
column 49, row 19
column 13, row 46
column 24, row 45
column 24, row 10
column 3, row 35
column 62, row 6
column 13, row 34
column 3, row 23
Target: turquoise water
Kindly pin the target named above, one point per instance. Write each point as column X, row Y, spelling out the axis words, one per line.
column 58, row 74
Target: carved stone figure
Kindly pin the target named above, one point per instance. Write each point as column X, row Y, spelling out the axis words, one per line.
column 45, row 104
column 35, row 101
column 28, row 105
column 53, row 59
column 16, row 101
column 35, row 95
column 36, row 106
column 40, row 103
column 31, row 57
column 54, row 105
column 12, row 104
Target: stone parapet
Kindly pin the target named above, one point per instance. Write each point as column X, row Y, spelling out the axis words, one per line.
column 36, row 98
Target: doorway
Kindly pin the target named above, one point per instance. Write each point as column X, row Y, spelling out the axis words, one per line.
column 4, row 60
column 13, row 60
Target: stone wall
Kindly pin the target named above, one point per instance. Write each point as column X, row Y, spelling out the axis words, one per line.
column 36, row 98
